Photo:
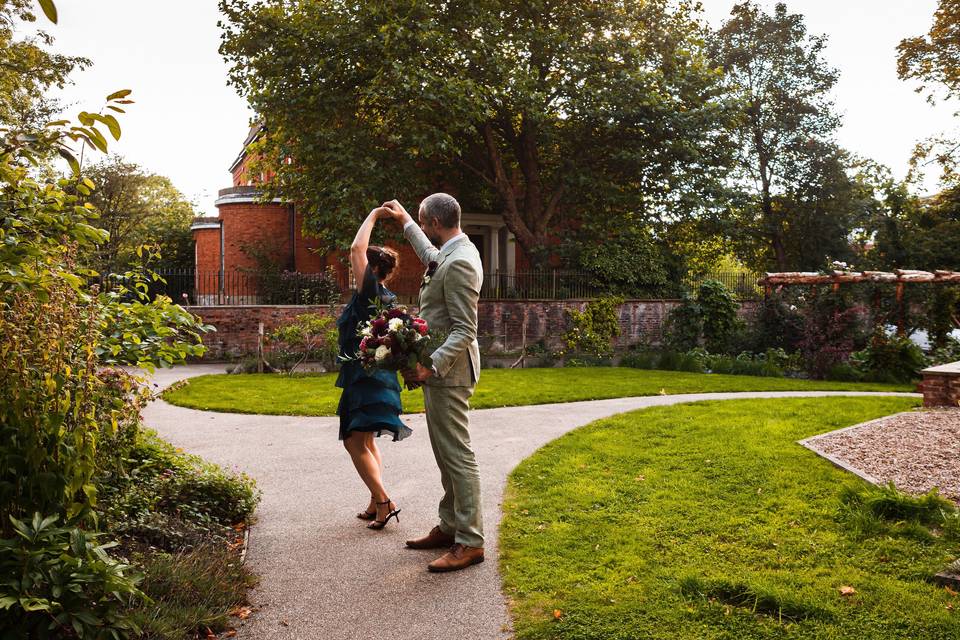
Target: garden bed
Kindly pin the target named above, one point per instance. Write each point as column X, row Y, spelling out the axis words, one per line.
column 917, row 452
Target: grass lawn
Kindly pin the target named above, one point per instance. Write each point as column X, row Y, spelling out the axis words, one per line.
column 315, row 395
column 706, row 520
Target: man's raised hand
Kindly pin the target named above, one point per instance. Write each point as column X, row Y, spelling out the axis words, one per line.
column 398, row 212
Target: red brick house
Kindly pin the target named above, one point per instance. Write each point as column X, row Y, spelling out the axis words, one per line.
column 223, row 264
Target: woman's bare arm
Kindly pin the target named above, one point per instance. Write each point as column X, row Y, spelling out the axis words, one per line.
column 358, row 250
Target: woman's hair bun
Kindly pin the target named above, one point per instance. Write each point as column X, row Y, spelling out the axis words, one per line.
column 383, row 261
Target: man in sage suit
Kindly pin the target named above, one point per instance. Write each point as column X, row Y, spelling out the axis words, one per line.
column 448, row 302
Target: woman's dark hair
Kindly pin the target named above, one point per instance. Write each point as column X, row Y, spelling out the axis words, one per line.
column 383, row 262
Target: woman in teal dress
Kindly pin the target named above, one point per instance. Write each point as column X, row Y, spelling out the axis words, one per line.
column 370, row 402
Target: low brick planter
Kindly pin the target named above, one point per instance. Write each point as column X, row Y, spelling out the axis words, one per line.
column 941, row 385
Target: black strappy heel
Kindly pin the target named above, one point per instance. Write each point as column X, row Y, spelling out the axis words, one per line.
column 366, row 515
column 380, row 524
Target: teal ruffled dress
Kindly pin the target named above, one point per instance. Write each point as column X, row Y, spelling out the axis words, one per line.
column 370, row 402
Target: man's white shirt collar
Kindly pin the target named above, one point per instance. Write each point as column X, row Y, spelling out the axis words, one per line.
column 452, row 240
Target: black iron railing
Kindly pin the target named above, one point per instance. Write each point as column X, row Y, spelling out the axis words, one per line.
column 244, row 287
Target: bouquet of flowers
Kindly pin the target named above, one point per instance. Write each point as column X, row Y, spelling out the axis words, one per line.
column 394, row 339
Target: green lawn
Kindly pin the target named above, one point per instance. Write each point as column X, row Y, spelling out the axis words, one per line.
column 315, row 395
column 706, row 520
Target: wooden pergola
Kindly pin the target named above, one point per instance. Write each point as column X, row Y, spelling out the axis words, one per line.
column 899, row 277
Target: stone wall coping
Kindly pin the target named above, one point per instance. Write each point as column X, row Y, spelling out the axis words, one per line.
column 483, row 300
column 949, row 368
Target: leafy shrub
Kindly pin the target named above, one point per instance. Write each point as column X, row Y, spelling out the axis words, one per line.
column 718, row 313
column 710, row 320
column 173, row 500
column 59, row 583
column 683, row 325
column 592, row 330
column 889, row 359
column 832, row 330
column 309, row 335
column 941, row 316
column 776, row 324
column 950, row 352
column 773, row 363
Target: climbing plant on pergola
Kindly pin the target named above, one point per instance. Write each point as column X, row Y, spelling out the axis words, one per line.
column 900, row 278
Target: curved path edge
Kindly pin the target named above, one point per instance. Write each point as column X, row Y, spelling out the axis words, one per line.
column 322, row 574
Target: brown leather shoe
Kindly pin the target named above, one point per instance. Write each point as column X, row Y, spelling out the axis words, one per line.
column 459, row 557
column 436, row 539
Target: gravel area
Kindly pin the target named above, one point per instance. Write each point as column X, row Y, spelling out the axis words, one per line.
column 917, row 451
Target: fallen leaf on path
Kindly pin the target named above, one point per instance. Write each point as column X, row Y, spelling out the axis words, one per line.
column 231, row 633
column 847, row 591
column 241, row 612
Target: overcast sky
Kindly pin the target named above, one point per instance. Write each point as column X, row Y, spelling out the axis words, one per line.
column 188, row 125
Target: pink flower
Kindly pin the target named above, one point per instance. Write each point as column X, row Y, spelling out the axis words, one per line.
column 420, row 325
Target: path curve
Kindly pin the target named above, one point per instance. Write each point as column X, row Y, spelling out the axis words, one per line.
column 323, row 576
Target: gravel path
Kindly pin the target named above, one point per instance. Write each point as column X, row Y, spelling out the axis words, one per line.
column 322, row 575
column 916, row 451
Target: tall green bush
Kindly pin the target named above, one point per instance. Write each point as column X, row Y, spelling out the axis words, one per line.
column 709, row 320
column 592, row 330
column 718, row 313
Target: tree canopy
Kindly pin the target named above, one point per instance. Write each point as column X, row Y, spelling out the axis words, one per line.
column 139, row 208
column 28, row 69
column 550, row 113
column 797, row 203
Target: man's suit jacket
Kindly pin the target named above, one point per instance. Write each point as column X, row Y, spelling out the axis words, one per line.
column 448, row 302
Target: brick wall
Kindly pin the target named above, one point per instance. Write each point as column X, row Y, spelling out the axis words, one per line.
column 941, row 388
column 247, row 224
column 500, row 323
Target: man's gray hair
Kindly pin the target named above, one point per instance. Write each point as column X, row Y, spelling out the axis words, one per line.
column 444, row 208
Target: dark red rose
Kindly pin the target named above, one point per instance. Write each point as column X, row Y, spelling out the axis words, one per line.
column 379, row 326
column 395, row 313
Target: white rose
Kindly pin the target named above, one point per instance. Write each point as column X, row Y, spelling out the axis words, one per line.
column 395, row 324
column 367, row 331
column 381, row 353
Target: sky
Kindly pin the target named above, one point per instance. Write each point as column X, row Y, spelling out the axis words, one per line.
column 189, row 125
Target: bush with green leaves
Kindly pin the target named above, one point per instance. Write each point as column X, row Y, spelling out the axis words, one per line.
column 59, row 583
column 172, row 500
column 718, row 315
column 942, row 315
column 833, row 328
column 683, row 325
column 948, row 353
column 709, row 320
column 592, row 330
column 889, row 358
column 777, row 323
column 308, row 336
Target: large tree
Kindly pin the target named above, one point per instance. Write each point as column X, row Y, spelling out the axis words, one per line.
column 28, row 69
column 547, row 112
column 933, row 60
column 138, row 208
column 787, row 162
